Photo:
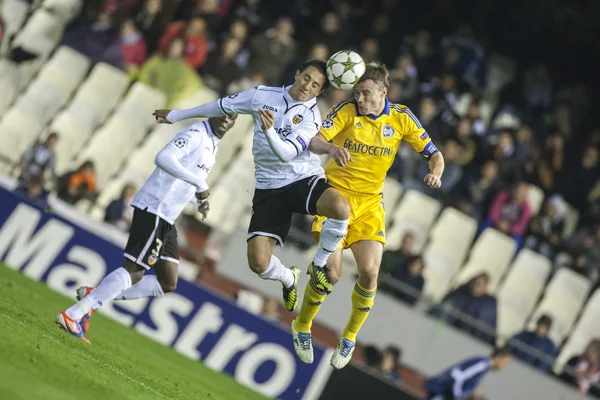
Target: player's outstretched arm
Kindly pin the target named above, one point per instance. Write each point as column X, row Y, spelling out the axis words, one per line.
column 240, row 103
column 436, row 167
column 319, row 145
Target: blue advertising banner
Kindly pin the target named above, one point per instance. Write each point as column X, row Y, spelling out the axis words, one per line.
column 194, row 321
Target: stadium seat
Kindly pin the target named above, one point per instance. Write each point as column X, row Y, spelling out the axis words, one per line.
column 415, row 213
column 139, row 103
column 73, row 132
column 202, row 96
column 563, row 298
column 9, row 84
column 44, row 24
column 110, row 146
column 250, row 301
column 40, row 46
column 586, row 330
column 113, row 189
column 142, row 158
column 65, row 9
column 13, row 13
column 392, row 190
column 65, row 69
column 100, row 92
column 17, row 133
column 438, row 273
column 492, row 253
column 535, row 199
column 520, row 291
column 41, row 101
column 453, row 234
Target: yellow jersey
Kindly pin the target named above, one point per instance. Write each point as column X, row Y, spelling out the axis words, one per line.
column 372, row 142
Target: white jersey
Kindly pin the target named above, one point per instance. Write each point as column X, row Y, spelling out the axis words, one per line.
column 296, row 122
column 166, row 196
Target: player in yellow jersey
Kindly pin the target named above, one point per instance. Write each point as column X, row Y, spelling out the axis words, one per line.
column 362, row 137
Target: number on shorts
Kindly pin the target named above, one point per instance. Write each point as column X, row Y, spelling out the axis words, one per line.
column 159, row 244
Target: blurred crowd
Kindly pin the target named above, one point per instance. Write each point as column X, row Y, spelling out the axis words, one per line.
column 538, row 129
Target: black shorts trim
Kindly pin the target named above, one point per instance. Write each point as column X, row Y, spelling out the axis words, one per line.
column 151, row 239
column 272, row 209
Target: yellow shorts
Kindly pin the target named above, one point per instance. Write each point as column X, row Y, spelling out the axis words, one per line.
column 367, row 219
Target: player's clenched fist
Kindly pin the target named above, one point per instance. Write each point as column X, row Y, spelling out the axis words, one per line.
column 200, row 196
column 340, row 155
column 161, row 116
column 266, row 118
column 203, row 209
column 433, row 181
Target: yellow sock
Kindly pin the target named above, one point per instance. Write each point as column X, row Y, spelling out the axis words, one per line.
column 310, row 307
column 362, row 302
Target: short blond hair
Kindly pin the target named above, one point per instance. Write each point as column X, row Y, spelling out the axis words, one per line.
column 378, row 73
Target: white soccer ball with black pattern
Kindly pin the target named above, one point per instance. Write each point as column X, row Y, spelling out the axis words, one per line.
column 344, row 69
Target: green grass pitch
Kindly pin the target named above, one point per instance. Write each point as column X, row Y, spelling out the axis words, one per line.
column 38, row 360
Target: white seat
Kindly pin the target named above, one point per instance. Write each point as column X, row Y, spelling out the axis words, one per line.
column 416, row 213
column 113, row 189
column 100, row 92
column 42, row 101
column 13, row 13
column 109, row 147
column 65, row 69
column 202, row 96
column 250, row 301
column 571, row 220
column 231, row 143
column 563, row 299
column 438, row 273
column 73, row 132
column 392, row 190
column 43, row 23
column 9, row 84
column 17, row 133
column 586, row 330
column 453, row 234
column 492, row 253
column 520, row 291
column 535, row 199
column 66, row 9
column 139, row 103
column 142, row 158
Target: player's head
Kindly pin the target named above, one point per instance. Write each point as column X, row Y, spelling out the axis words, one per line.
column 220, row 125
column 371, row 89
column 500, row 359
column 310, row 80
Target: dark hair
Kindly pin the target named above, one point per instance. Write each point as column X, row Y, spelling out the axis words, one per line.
column 319, row 65
column 396, row 352
column 53, row 135
column 500, row 352
column 372, row 356
column 378, row 73
column 483, row 275
column 86, row 164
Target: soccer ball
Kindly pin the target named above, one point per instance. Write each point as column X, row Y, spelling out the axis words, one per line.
column 344, row 69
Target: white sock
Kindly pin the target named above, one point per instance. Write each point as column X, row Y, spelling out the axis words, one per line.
column 276, row 271
column 332, row 234
column 110, row 287
column 148, row 286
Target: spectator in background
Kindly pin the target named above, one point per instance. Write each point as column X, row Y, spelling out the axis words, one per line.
column 464, row 138
column 318, row 51
column 477, row 309
column 239, row 31
column 390, row 364
column 221, row 68
column 79, row 184
column 149, row 21
column 120, row 212
column 129, row 53
column 208, row 10
column 246, row 83
column 537, row 90
column 546, row 229
column 253, row 12
column 170, row 74
column 372, row 356
column 503, row 151
column 461, row 380
column 410, row 274
column 537, row 341
column 576, row 181
column 329, row 33
column 584, row 245
column 193, row 34
column 369, row 50
column 548, row 161
column 391, row 258
column 475, row 191
column 39, row 159
column 273, row 50
column 34, row 190
column 583, row 371
column 510, row 212
column 405, row 74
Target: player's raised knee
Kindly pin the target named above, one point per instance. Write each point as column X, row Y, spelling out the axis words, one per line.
column 168, row 286
column 258, row 262
column 368, row 276
column 333, row 205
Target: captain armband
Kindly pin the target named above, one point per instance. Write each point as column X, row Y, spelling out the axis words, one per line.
column 429, row 150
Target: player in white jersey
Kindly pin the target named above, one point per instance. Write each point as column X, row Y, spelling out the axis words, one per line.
column 289, row 179
column 180, row 178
